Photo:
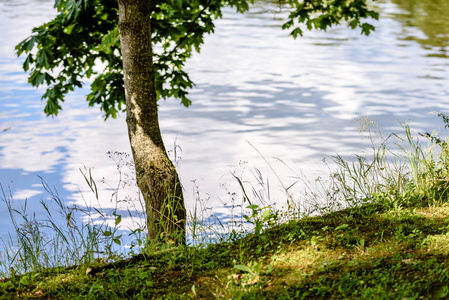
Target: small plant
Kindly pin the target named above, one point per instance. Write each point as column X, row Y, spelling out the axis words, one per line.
column 250, row 274
column 260, row 217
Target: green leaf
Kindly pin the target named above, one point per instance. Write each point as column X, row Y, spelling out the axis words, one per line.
column 243, row 268
column 52, row 107
column 25, row 280
column 149, row 283
column 258, row 228
column 107, row 233
column 36, row 78
column 353, row 24
column 109, row 40
column 185, row 101
column 118, row 220
column 68, row 29
column 341, row 227
column 49, row 79
column 253, row 206
column 367, row 28
column 288, row 24
column 29, row 45
column 26, row 63
column 42, row 59
column 266, row 214
column 296, row 32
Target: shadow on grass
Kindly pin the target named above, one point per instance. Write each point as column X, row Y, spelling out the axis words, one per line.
column 368, row 252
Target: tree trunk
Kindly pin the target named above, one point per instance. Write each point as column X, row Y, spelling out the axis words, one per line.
column 156, row 176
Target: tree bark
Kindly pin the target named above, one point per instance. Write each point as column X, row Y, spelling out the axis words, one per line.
column 156, row 176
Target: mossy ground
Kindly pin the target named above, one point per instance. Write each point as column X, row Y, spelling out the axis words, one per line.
column 370, row 252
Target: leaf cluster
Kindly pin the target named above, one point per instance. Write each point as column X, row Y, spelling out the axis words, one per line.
column 322, row 14
column 63, row 53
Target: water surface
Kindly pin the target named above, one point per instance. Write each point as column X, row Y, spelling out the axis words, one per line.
column 295, row 100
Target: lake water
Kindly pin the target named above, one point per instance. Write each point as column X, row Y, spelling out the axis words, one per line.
column 293, row 100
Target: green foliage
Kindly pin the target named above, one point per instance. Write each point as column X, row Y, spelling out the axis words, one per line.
column 260, row 217
column 85, row 33
column 320, row 14
column 63, row 53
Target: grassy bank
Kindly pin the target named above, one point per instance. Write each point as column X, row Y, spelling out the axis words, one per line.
column 382, row 233
column 369, row 252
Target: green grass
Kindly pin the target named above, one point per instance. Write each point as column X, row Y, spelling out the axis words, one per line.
column 382, row 232
column 368, row 252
